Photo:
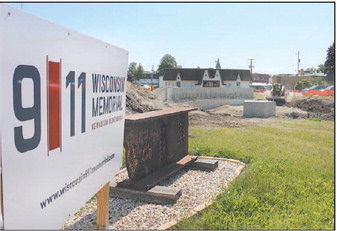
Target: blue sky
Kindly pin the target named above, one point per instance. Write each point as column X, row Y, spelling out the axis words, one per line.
column 196, row 34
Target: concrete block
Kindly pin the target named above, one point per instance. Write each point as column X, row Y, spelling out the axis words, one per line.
column 205, row 164
column 166, row 191
column 158, row 194
column 259, row 108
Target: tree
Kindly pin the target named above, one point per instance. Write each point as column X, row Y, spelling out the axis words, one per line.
column 135, row 72
column 305, row 83
column 329, row 65
column 132, row 71
column 167, row 61
column 140, row 72
column 320, row 68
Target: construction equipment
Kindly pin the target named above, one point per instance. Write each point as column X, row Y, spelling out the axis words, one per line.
column 278, row 94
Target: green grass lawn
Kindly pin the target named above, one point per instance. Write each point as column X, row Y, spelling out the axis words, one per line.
column 289, row 181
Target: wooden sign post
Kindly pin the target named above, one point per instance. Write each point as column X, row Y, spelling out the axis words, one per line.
column 103, row 207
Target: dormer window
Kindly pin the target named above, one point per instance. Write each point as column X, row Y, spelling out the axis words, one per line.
column 178, row 77
column 238, row 79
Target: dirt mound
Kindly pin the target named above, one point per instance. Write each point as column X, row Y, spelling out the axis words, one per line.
column 139, row 100
column 316, row 108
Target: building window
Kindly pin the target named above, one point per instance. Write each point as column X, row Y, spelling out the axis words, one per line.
column 237, row 84
column 178, row 84
column 211, row 84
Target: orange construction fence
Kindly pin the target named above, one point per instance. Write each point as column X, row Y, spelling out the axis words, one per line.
column 315, row 92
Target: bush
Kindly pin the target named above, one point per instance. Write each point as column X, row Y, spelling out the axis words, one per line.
column 305, row 83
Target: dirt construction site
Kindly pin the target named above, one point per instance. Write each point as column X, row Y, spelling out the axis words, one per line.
column 139, row 101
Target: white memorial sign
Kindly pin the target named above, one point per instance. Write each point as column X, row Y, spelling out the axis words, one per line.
column 62, row 118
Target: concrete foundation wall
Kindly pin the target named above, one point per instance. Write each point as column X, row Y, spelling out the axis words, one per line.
column 185, row 94
column 207, row 104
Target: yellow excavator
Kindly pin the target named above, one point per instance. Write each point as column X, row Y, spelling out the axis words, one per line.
column 278, row 94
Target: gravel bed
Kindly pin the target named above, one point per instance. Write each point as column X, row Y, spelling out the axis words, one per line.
column 198, row 188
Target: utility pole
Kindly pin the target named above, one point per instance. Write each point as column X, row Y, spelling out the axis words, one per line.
column 298, row 62
column 251, row 65
column 152, row 79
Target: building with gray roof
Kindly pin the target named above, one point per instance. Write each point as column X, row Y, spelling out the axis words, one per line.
column 206, row 77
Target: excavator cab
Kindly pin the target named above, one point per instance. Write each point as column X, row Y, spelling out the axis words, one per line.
column 278, row 90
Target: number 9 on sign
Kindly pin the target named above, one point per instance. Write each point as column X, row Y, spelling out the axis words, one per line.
column 27, row 113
